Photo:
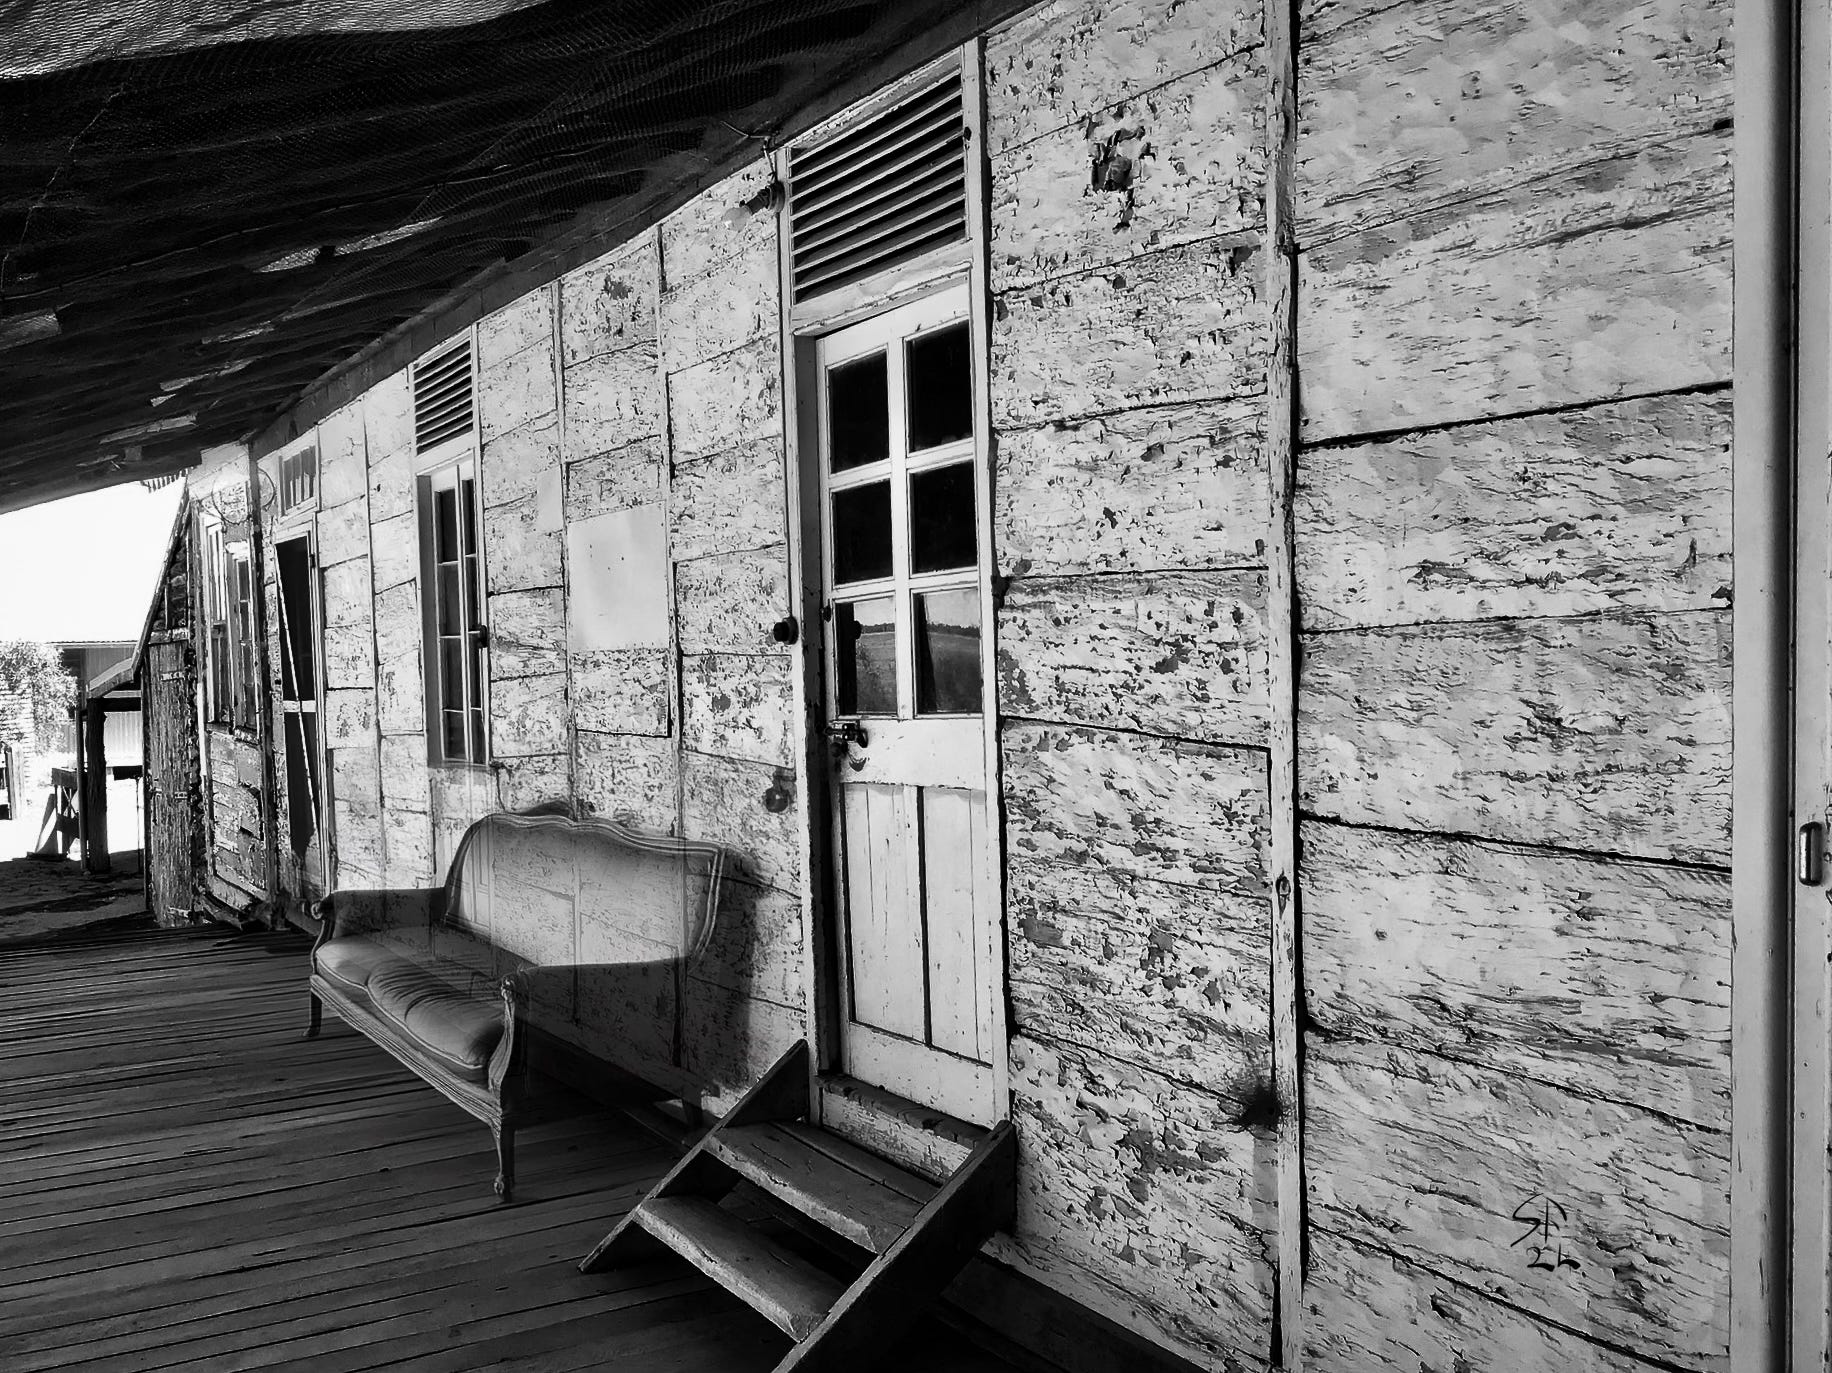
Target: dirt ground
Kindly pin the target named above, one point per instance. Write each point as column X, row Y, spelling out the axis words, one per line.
column 51, row 898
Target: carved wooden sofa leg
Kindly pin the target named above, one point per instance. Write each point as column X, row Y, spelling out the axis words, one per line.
column 317, row 1016
column 505, row 1161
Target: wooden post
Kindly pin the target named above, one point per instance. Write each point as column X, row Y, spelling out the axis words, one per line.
column 76, row 735
column 264, row 689
column 92, row 758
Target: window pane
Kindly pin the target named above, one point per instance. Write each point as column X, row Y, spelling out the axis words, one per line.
column 473, row 597
column 445, row 525
column 948, row 652
column 862, row 533
column 477, row 749
column 942, row 519
column 454, row 734
column 865, row 652
column 451, row 674
column 468, row 499
column 858, row 413
column 450, row 606
column 939, row 381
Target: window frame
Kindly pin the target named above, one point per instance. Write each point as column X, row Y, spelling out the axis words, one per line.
column 454, row 472
column 889, row 334
column 227, row 643
column 307, row 503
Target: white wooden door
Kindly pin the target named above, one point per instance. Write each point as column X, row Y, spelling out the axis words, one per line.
column 902, row 490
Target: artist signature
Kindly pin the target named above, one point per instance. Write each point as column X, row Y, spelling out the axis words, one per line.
column 1543, row 1237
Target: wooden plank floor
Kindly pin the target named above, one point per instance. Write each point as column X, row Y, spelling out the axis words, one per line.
column 186, row 1183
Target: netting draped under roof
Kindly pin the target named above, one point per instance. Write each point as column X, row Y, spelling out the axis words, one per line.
column 192, row 234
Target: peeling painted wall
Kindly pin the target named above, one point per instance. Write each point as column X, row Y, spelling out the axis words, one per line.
column 237, row 811
column 643, row 390
column 1513, row 551
column 1511, row 561
column 1131, row 517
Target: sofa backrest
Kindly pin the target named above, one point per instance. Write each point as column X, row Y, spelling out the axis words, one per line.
column 552, row 889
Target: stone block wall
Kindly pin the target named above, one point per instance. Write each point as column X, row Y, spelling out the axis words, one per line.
column 1509, row 552
column 1512, row 556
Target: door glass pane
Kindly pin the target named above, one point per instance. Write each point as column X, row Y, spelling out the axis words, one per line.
column 862, row 533
column 451, row 604
column 858, row 413
column 948, row 652
column 473, row 597
column 865, row 654
column 942, row 533
column 451, row 676
column 299, row 676
column 939, row 380
column 445, row 525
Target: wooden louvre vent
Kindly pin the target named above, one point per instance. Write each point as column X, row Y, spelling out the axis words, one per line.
column 443, row 404
column 880, row 193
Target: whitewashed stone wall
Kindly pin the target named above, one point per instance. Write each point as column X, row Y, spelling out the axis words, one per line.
column 1513, row 561
column 1131, row 517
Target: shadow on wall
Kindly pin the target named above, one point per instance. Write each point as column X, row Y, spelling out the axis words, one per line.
column 610, row 927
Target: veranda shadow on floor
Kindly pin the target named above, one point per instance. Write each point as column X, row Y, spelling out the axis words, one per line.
column 186, row 1183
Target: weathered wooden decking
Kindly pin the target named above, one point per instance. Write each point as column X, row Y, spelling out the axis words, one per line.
column 186, row 1183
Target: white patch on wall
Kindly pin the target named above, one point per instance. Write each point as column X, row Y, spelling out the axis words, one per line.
column 617, row 566
column 549, row 503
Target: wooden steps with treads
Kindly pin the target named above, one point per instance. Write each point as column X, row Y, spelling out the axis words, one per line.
column 913, row 1236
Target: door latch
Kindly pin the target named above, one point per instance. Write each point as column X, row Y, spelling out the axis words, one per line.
column 847, row 732
column 1809, row 863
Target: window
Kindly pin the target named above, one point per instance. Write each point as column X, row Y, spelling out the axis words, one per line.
column 229, row 641
column 451, row 555
column 900, row 516
column 453, row 602
column 299, row 479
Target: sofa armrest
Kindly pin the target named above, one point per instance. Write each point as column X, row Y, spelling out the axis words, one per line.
column 354, row 910
column 508, row 1062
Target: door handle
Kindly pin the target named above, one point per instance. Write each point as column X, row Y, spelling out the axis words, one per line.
column 847, row 732
column 1810, row 855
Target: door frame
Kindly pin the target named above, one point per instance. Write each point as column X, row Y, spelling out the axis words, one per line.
column 1781, row 1114
column 305, row 527
column 942, row 270
column 893, row 1054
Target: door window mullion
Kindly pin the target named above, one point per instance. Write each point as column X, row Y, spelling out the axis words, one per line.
column 941, row 457
column 900, row 530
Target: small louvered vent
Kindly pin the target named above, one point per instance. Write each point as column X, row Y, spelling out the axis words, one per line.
column 880, row 193
column 442, row 400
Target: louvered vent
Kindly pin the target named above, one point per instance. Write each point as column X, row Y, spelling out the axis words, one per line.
column 442, row 398
column 880, row 193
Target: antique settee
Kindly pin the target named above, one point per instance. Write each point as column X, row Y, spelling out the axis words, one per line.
column 549, row 927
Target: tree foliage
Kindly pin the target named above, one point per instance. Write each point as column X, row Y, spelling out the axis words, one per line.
column 33, row 669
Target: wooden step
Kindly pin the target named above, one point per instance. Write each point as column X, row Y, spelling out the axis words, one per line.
column 923, row 1141
column 784, row 1288
column 826, row 1179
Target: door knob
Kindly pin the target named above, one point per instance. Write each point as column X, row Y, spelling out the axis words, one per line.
column 847, row 732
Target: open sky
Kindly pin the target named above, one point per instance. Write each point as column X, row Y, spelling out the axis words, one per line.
column 84, row 567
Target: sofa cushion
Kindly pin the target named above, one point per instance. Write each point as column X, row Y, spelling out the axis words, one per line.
column 456, row 1030
column 352, row 962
